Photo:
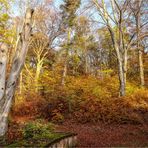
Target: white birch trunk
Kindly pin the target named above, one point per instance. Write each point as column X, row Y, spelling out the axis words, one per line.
column 141, row 68
column 64, row 73
column 17, row 66
column 140, row 56
column 37, row 75
column 3, row 64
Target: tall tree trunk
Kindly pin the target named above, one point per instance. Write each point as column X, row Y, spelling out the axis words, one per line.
column 121, row 78
column 125, row 64
column 37, row 75
column 118, row 43
column 141, row 69
column 86, row 64
column 3, row 65
column 86, row 59
column 21, row 83
column 121, row 64
column 17, row 66
column 64, row 74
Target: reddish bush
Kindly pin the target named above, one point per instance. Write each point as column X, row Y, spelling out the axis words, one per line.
column 87, row 99
column 34, row 107
column 14, row 132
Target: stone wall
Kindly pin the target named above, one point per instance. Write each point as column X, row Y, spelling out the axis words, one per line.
column 69, row 141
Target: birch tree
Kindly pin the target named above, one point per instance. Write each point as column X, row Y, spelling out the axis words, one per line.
column 7, row 86
column 117, row 38
column 139, row 12
column 39, row 45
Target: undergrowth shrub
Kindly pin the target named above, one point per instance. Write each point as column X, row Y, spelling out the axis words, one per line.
column 33, row 105
column 87, row 99
column 32, row 129
column 37, row 128
column 14, row 131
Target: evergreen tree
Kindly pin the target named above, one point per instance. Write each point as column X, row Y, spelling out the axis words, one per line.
column 69, row 9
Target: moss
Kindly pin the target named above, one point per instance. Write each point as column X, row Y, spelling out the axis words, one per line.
column 40, row 141
column 2, row 141
column 38, row 133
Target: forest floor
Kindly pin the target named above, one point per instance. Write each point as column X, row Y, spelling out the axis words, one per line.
column 107, row 135
column 103, row 135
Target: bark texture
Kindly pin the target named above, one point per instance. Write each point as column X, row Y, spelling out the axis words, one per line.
column 64, row 73
column 117, row 40
column 3, row 64
column 140, row 56
column 8, row 89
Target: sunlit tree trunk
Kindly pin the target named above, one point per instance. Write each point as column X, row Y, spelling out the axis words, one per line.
column 121, row 63
column 125, row 65
column 140, row 57
column 21, row 83
column 39, row 45
column 3, row 65
column 121, row 68
column 37, row 75
column 64, row 72
column 121, row 78
column 8, row 89
column 122, row 59
column 86, row 59
column 118, row 42
column 20, row 87
column 141, row 69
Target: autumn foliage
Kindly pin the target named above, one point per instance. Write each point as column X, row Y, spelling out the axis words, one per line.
column 85, row 99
